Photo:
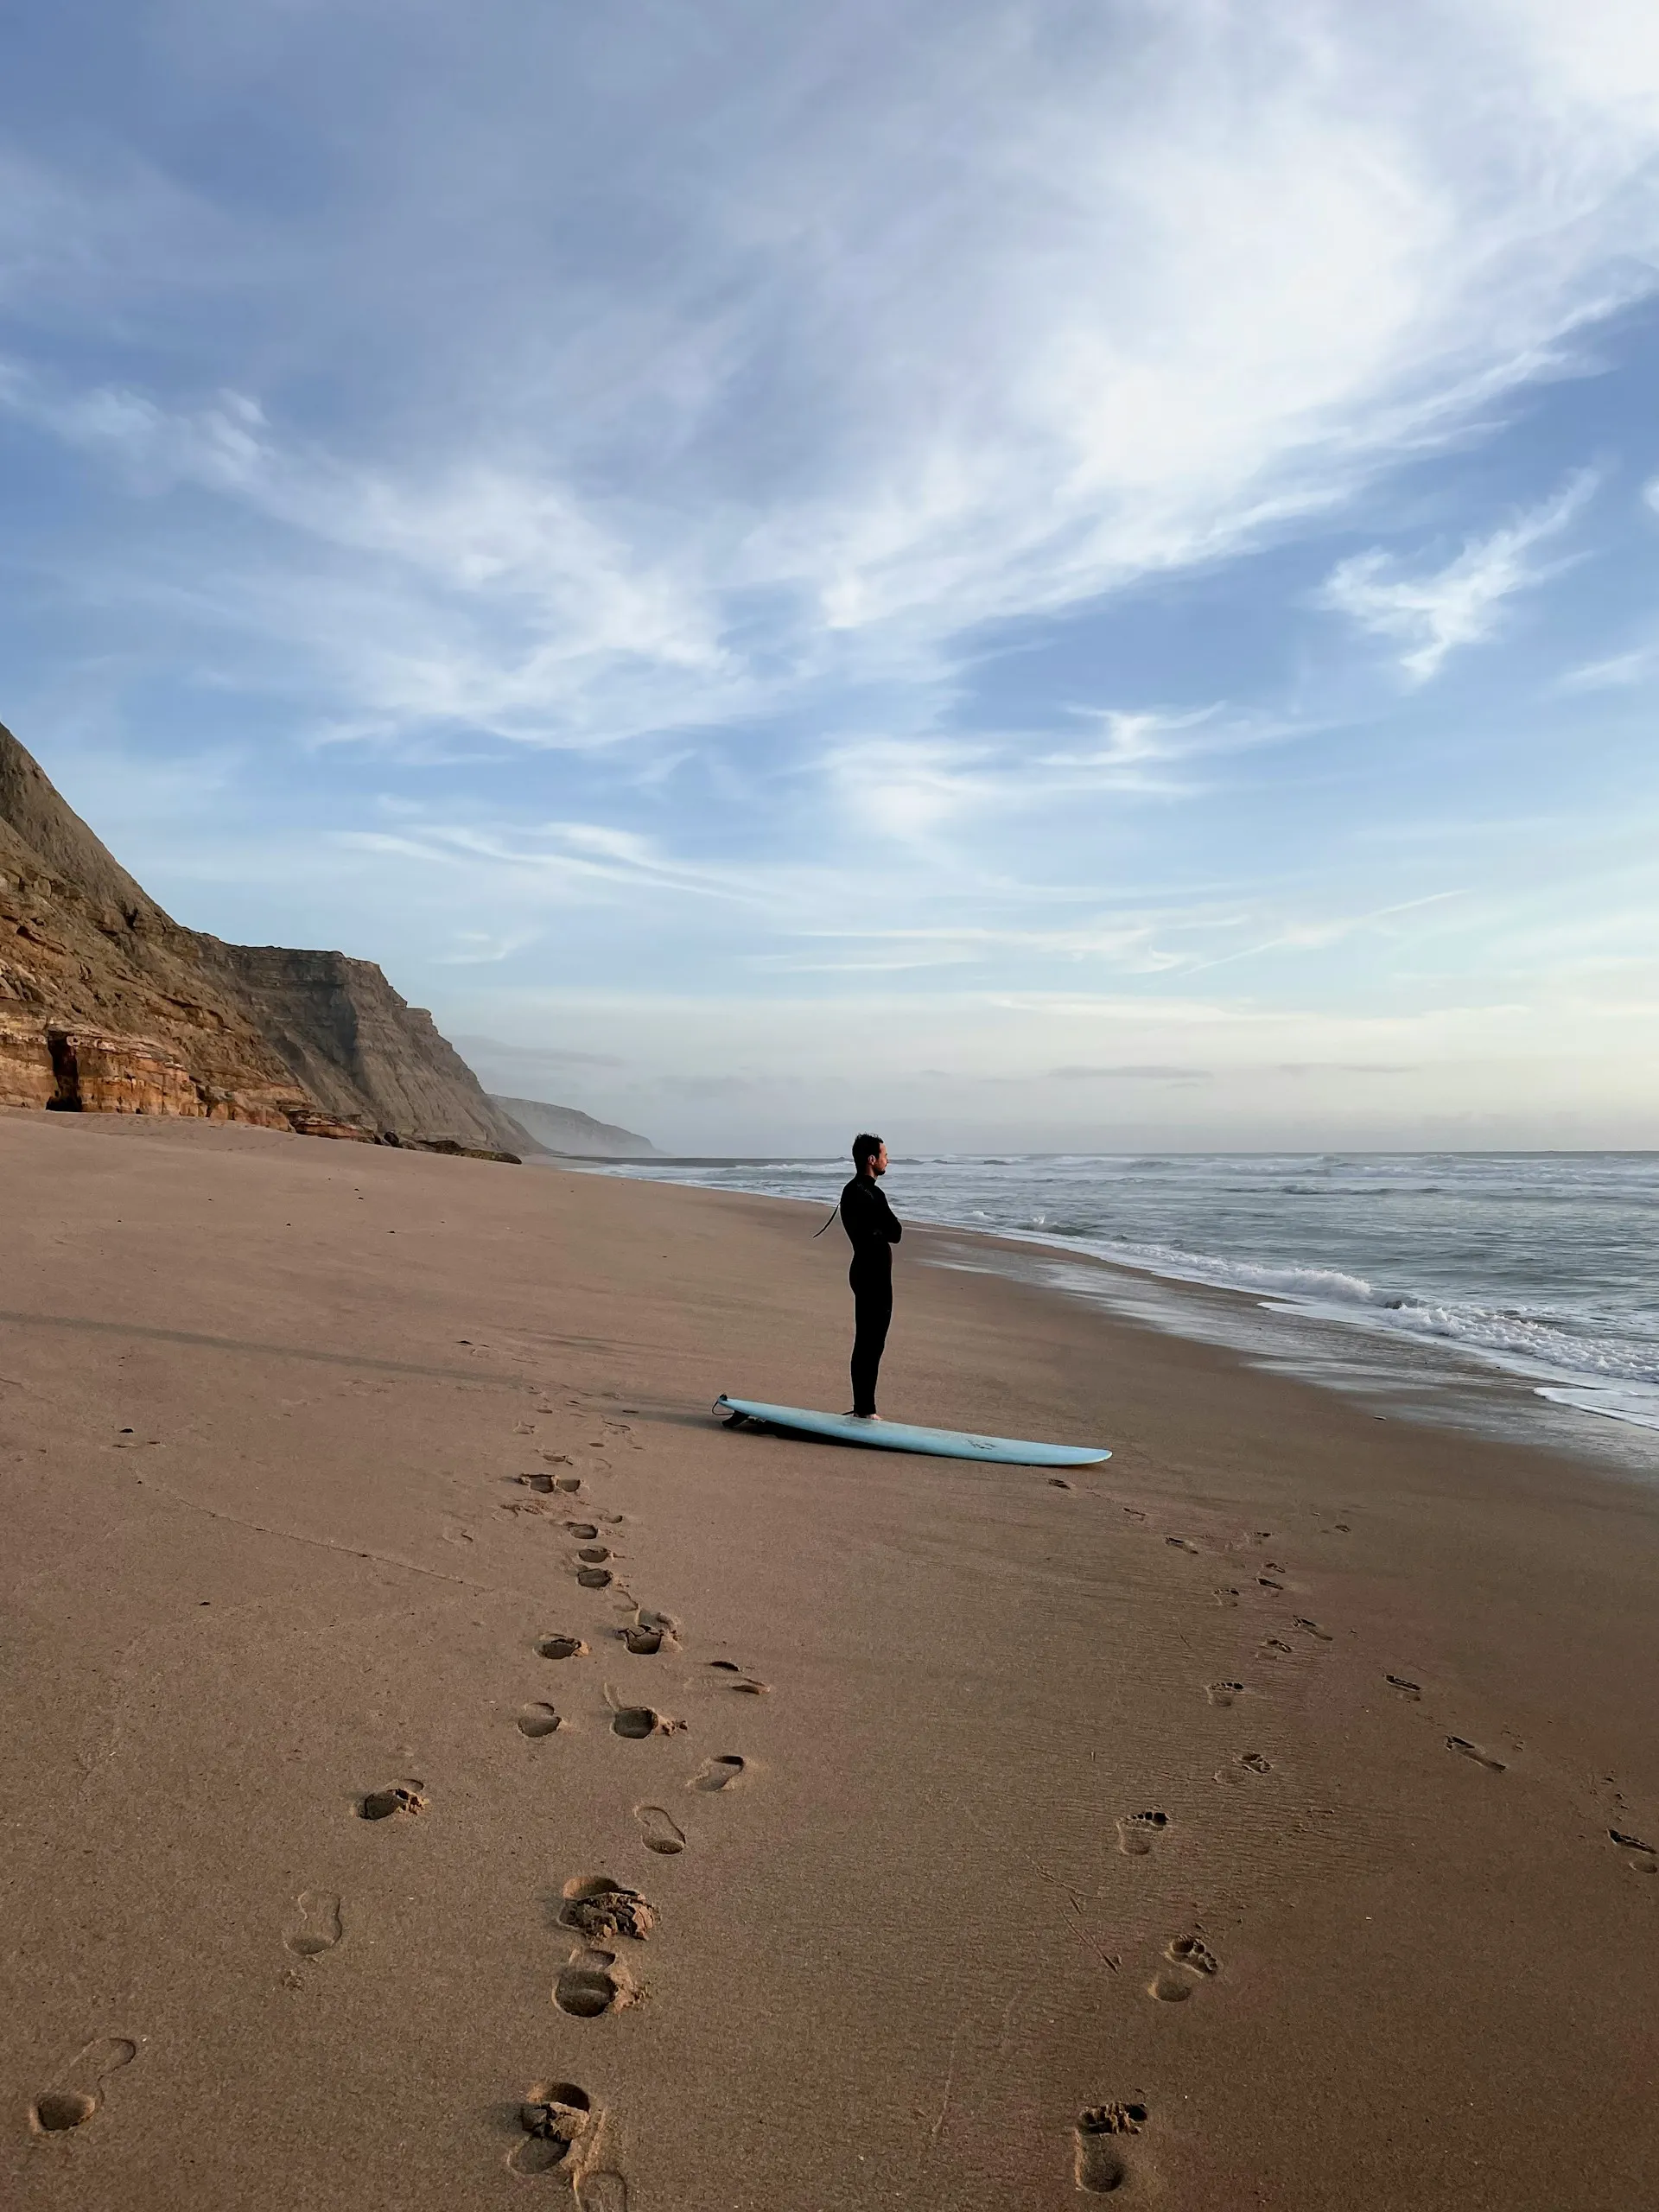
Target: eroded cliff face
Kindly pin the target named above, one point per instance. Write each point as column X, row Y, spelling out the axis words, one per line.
column 108, row 1005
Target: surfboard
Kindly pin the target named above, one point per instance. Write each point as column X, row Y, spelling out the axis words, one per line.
column 899, row 1436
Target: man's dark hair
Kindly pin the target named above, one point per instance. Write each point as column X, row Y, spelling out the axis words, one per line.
column 865, row 1146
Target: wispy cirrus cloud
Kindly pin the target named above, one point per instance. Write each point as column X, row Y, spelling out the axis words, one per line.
column 1433, row 613
column 977, row 335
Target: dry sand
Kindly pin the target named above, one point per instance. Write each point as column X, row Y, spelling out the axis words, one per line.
column 999, row 1853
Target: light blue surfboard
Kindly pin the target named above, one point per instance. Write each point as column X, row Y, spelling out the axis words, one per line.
column 897, row 1436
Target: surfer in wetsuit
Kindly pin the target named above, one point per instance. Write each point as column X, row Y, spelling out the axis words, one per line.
column 872, row 1230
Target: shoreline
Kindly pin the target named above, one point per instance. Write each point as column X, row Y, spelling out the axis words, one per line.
column 1443, row 1380
column 1265, row 1781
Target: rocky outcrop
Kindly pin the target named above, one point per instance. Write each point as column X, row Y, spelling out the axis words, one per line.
column 109, row 1006
column 361, row 1051
column 563, row 1130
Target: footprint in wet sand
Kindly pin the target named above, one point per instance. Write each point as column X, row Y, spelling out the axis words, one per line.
column 602, row 1910
column 1277, row 1646
column 644, row 1642
column 1189, row 1961
column 637, row 1721
column 536, row 1721
column 590, row 1985
column 1223, row 1693
column 584, row 1531
column 1098, row 2162
column 561, row 1647
column 319, row 1928
column 1137, row 1833
column 595, row 1578
column 1312, row 1628
column 74, row 2099
column 1226, row 1595
column 1059, row 1482
column 602, row 2192
column 1644, row 1858
column 1410, row 1691
column 1181, row 1544
column 568, row 1483
column 594, row 1554
column 747, row 1683
column 1244, row 1764
column 1267, row 1582
column 553, row 2116
column 542, row 1483
column 662, row 1832
column 718, row 1773
column 406, row 1796
column 1135, row 1513
column 1473, row 1751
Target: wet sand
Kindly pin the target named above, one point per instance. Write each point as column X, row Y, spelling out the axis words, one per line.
column 1233, row 1827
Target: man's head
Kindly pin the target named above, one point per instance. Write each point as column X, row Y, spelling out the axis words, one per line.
column 869, row 1155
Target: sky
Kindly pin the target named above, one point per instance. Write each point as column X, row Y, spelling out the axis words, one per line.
column 1042, row 574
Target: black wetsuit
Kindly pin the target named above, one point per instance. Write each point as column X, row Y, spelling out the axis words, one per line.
column 872, row 1230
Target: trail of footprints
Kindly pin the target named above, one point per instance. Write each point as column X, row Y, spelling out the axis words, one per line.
column 1102, row 2147
column 560, row 2128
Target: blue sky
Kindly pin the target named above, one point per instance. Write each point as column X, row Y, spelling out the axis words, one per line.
column 1059, row 574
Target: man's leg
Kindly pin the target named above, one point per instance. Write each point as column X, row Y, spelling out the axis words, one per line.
column 873, row 1311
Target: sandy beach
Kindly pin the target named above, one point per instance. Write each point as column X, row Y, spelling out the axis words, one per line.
column 1234, row 1826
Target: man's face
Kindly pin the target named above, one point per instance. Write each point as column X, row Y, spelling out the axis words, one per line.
column 879, row 1165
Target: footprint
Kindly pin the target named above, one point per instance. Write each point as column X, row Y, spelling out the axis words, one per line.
column 637, row 1721
column 1135, row 1513
column 595, row 1578
column 1473, row 1751
column 1136, row 1833
column 584, row 1531
column 1644, row 1858
column 644, row 1642
column 1410, row 1690
column 601, row 1910
column 1188, row 1951
column 602, row 2192
column 1181, row 1544
column 561, row 1647
column 662, row 1832
column 1278, row 1646
column 1227, row 1596
column 1223, row 1693
column 569, row 1484
column 407, row 1797
column 718, row 1773
column 1312, row 1628
column 319, row 1928
column 1059, row 1482
column 746, row 1683
column 1268, row 1583
column 594, row 1554
column 1245, row 1763
column 1099, row 2164
column 536, row 1721
column 72, row 2101
column 543, row 1483
column 554, row 2115
column 590, row 1985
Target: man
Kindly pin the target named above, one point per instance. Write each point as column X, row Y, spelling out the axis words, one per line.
column 872, row 1230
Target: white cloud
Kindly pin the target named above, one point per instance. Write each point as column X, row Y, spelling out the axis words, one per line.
column 1033, row 302
column 1461, row 604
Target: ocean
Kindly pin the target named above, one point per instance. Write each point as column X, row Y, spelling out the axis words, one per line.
column 1512, row 1290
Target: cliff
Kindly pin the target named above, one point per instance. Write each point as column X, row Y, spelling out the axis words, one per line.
column 107, row 1004
column 563, row 1128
